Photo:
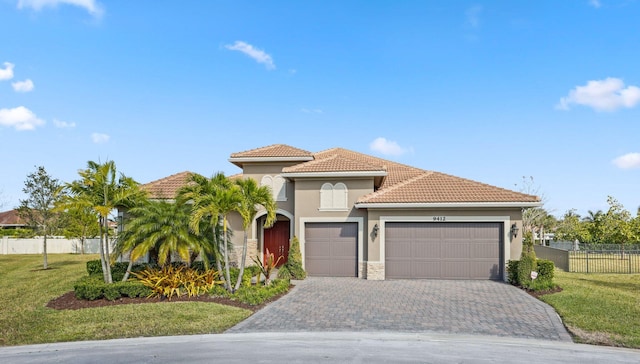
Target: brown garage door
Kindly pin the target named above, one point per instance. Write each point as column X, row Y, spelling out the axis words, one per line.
column 331, row 249
column 451, row 250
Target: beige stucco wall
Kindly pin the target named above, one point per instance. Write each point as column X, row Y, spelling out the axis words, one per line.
column 257, row 171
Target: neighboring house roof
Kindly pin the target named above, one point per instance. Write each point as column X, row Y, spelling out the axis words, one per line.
column 397, row 185
column 11, row 219
column 167, row 187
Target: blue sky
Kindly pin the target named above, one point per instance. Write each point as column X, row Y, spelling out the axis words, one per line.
column 491, row 91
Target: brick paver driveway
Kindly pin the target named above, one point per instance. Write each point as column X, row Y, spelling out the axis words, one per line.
column 459, row 307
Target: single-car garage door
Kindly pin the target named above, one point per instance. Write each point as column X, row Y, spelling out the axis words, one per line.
column 447, row 250
column 331, row 249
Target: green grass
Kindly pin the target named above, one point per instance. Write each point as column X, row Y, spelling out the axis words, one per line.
column 25, row 289
column 599, row 308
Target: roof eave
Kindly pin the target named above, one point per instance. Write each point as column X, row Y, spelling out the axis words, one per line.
column 334, row 174
column 408, row 205
column 239, row 161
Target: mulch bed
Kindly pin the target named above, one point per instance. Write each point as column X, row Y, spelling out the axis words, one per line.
column 69, row 301
column 543, row 292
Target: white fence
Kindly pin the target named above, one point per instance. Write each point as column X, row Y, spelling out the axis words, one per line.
column 10, row 245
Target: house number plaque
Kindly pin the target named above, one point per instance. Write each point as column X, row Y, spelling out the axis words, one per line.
column 439, row 218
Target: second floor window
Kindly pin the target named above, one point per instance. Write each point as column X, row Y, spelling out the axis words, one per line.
column 333, row 197
column 278, row 186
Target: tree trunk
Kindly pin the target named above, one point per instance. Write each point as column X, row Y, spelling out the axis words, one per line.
column 44, row 250
column 106, row 252
column 101, row 251
column 216, row 253
column 129, row 267
column 226, row 257
column 242, row 261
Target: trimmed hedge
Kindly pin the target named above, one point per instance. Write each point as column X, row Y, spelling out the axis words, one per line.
column 544, row 281
column 118, row 269
column 93, row 288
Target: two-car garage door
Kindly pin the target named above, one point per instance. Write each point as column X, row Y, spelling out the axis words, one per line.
column 448, row 250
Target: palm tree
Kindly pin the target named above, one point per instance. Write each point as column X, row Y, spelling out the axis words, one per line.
column 252, row 197
column 212, row 200
column 101, row 190
column 162, row 226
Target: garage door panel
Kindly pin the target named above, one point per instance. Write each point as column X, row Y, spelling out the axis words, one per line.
column 454, row 250
column 331, row 249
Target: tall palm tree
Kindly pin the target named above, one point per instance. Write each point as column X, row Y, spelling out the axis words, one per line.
column 252, row 197
column 101, row 189
column 212, row 199
column 162, row 226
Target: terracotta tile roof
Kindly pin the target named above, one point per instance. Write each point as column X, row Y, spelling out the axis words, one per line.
column 396, row 172
column 275, row 150
column 334, row 163
column 11, row 218
column 402, row 184
column 167, row 187
column 436, row 187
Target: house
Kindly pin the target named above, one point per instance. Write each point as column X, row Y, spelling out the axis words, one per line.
column 12, row 220
column 361, row 216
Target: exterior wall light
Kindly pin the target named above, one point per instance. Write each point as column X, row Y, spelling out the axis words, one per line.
column 514, row 230
column 374, row 231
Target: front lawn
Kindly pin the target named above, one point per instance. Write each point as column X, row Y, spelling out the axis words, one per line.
column 25, row 289
column 599, row 308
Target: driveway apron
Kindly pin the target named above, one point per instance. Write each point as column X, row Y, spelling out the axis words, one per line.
column 447, row 306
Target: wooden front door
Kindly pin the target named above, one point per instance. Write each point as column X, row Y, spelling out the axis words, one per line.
column 276, row 239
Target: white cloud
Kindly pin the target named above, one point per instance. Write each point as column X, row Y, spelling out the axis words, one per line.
column 23, row 86
column 100, row 138
column 473, row 15
column 387, row 147
column 258, row 55
column 92, row 6
column 63, row 124
column 628, row 161
column 19, row 118
column 7, row 72
column 595, row 3
column 602, row 95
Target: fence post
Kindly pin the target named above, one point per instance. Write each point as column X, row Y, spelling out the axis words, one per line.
column 587, row 261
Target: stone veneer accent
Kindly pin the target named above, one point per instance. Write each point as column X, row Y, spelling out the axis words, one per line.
column 252, row 252
column 375, row 271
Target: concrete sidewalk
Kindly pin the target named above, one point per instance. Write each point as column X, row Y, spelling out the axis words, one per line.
column 319, row 347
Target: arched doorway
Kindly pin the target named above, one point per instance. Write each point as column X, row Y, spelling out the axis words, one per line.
column 276, row 239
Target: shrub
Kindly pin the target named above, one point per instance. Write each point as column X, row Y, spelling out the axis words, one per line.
column 133, row 289
column 89, row 288
column 522, row 277
column 93, row 288
column 118, row 269
column 526, row 265
column 258, row 294
column 294, row 261
column 284, row 273
column 176, row 280
column 94, row 267
column 512, row 271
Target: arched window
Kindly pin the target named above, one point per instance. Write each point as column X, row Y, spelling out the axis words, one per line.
column 278, row 186
column 333, row 197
